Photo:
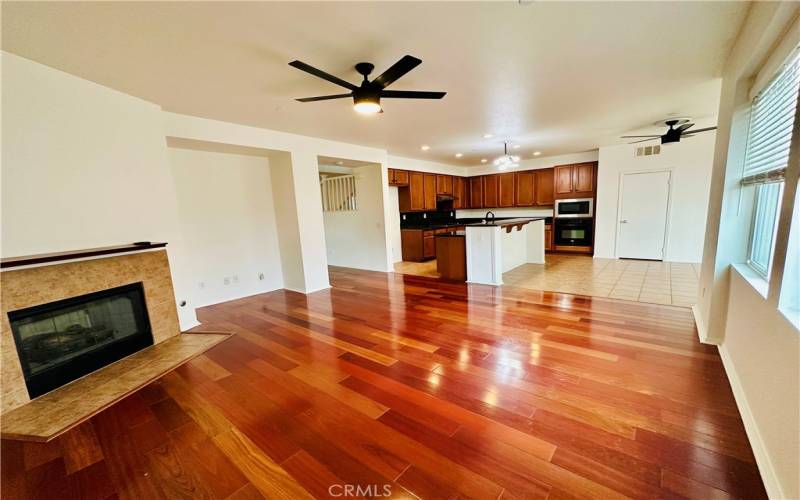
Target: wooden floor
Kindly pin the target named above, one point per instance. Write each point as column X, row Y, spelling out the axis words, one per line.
column 408, row 386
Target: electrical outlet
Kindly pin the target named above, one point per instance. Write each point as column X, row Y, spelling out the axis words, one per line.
column 424, row 216
column 404, row 216
column 235, row 278
column 261, row 276
column 226, row 280
column 202, row 284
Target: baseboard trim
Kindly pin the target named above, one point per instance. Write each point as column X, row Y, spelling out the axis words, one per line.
column 765, row 467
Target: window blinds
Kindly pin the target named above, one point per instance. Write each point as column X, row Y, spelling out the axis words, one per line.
column 771, row 121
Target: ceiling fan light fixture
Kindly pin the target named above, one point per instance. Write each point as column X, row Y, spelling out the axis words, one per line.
column 367, row 105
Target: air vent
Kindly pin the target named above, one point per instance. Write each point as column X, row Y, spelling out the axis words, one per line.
column 648, row 150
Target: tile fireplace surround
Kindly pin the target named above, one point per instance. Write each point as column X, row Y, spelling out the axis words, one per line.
column 41, row 284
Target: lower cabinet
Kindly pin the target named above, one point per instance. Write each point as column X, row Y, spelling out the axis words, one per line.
column 428, row 246
column 417, row 244
column 548, row 237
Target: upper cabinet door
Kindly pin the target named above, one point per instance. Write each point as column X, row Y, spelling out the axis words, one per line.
column 563, row 180
column 399, row 177
column 476, row 192
column 506, row 189
column 429, row 181
column 544, row 187
column 583, row 178
column 444, row 184
column 416, row 191
column 491, row 191
column 524, row 193
column 458, row 192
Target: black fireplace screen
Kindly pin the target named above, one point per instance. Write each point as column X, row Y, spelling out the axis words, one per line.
column 61, row 341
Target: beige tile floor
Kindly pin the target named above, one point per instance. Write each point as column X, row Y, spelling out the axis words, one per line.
column 654, row 282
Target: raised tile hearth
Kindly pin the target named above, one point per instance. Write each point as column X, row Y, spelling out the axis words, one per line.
column 58, row 411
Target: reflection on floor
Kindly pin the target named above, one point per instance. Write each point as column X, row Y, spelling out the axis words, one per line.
column 643, row 281
column 427, row 268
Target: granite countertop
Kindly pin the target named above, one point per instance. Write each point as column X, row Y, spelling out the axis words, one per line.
column 506, row 222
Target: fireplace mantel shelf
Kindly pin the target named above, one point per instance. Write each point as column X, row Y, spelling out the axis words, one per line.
column 58, row 411
column 45, row 258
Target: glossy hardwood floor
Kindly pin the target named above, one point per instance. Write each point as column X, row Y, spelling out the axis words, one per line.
column 410, row 387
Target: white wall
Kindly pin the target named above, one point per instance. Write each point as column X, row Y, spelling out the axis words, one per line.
column 83, row 166
column 402, row 163
column 357, row 238
column 300, row 175
column 761, row 352
column 690, row 162
column 227, row 218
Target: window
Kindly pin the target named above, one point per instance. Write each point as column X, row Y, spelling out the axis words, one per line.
column 769, row 139
column 765, row 217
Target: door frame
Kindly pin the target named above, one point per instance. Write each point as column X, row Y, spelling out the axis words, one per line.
column 667, row 226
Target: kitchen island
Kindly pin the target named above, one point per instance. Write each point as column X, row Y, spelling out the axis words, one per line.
column 497, row 246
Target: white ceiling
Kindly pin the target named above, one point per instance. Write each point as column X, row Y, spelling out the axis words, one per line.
column 553, row 77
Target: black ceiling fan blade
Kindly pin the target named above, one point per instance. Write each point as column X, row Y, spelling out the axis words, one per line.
column 398, row 69
column 323, row 97
column 699, row 130
column 321, row 74
column 412, row 94
column 645, row 140
column 681, row 129
column 635, row 136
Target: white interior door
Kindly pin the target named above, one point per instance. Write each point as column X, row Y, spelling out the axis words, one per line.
column 643, row 215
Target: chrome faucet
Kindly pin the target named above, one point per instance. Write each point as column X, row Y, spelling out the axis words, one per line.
column 487, row 217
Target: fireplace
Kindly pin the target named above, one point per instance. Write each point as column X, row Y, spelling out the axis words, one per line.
column 64, row 340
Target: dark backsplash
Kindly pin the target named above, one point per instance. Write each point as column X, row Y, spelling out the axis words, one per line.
column 427, row 218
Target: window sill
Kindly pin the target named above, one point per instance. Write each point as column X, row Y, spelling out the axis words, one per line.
column 756, row 281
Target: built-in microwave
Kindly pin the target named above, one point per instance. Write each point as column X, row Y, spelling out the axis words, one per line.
column 574, row 208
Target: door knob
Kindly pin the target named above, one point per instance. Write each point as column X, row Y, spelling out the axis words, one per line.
column 623, row 221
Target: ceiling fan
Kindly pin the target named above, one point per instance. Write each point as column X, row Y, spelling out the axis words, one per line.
column 367, row 97
column 677, row 129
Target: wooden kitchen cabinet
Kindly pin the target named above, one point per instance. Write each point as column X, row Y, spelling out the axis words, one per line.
column 583, row 179
column 525, row 191
column 428, row 246
column 476, row 192
column 544, row 179
column 398, row 177
column 505, row 189
column 444, row 184
column 460, row 196
column 417, row 244
column 429, row 191
column 548, row 237
column 491, row 191
column 575, row 181
column 412, row 197
column 563, row 180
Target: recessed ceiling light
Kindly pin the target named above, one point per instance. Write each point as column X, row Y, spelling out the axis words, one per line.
column 487, row 136
column 425, row 147
column 484, row 160
column 516, row 146
column 340, row 163
column 537, row 153
column 459, row 155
